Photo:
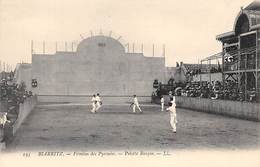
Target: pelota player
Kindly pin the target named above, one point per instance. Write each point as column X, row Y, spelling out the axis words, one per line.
column 94, row 103
column 99, row 102
column 136, row 104
column 173, row 115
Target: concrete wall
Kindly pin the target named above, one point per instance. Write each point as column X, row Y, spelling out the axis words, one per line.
column 24, row 110
column 87, row 99
column 99, row 65
column 3, row 106
column 243, row 110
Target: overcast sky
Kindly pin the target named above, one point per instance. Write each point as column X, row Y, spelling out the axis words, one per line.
column 187, row 28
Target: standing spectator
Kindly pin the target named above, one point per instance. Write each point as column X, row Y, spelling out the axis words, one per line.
column 170, row 94
column 162, row 103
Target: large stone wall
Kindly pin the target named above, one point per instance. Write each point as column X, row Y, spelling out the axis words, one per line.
column 100, row 64
column 81, row 99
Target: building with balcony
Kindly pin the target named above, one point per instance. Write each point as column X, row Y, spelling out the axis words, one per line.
column 241, row 50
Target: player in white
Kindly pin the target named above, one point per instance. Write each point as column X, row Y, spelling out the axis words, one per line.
column 94, row 103
column 99, row 102
column 162, row 103
column 136, row 104
column 173, row 115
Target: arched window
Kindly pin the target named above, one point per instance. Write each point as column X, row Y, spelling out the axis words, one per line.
column 242, row 25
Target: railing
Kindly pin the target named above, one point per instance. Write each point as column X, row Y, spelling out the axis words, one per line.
column 242, row 59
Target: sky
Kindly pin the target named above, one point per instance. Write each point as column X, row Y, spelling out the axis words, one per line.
column 188, row 29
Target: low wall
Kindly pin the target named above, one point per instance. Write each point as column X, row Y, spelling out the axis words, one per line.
column 3, row 106
column 9, row 130
column 157, row 100
column 242, row 110
column 24, row 110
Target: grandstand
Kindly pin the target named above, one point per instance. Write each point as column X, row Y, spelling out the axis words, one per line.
column 235, row 70
column 240, row 53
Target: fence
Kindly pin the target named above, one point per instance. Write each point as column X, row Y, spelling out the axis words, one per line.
column 50, row 48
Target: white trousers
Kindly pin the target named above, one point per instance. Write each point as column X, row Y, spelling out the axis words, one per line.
column 93, row 108
column 162, row 106
column 173, row 122
column 136, row 105
column 98, row 105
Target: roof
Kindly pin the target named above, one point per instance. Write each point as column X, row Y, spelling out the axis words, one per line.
column 213, row 57
column 98, row 41
column 226, row 34
column 251, row 13
column 255, row 5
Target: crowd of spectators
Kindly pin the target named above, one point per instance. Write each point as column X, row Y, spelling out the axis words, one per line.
column 216, row 90
column 14, row 92
column 11, row 95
